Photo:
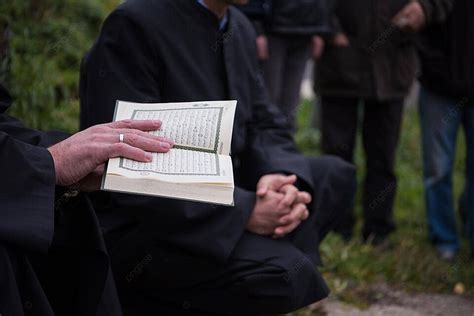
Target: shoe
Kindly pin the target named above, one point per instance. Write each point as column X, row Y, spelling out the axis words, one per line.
column 346, row 237
column 378, row 241
column 375, row 239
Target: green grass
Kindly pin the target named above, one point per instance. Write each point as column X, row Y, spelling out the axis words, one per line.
column 411, row 264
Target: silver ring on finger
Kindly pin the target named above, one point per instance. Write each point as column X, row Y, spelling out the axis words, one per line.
column 121, row 138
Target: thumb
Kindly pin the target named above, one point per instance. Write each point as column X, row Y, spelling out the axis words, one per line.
column 274, row 182
column 262, row 191
column 284, row 180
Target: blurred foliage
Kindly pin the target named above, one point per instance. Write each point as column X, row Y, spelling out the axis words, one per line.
column 46, row 42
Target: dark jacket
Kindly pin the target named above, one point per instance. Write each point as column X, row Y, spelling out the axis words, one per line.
column 381, row 61
column 296, row 17
column 52, row 255
column 447, row 53
column 137, row 58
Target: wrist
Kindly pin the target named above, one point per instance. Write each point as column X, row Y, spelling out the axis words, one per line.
column 55, row 153
column 52, row 152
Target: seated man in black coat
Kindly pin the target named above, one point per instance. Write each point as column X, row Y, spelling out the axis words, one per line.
column 173, row 257
column 52, row 256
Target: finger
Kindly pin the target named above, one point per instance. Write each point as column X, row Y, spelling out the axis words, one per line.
column 282, row 231
column 103, row 137
column 124, row 131
column 127, row 151
column 114, row 136
column 99, row 170
column 263, row 186
column 262, row 191
column 143, row 125
column 297, row 213
column 146, row 143
column 274, row 182
column 303, row 197
column 291, row 193
column 283, row 210
column 305, row 215
column 142, row 140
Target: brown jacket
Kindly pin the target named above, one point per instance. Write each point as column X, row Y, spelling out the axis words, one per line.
column 381, row 62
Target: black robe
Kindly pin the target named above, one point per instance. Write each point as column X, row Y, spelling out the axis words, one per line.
column 167, row 251
column 52, row 257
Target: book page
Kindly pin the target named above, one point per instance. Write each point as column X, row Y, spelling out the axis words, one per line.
column 178, row 165
column 204, row 126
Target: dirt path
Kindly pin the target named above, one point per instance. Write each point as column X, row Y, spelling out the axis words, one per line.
column 398, row 303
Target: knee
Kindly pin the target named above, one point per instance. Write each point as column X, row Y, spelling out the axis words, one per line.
column 338, row 175
column 302, row 286
column 334, row 166
column 436, row 170
column 435, row 174
column 291, row 282
column 342, row 173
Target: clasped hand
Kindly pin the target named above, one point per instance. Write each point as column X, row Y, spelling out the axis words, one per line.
column 280, row 207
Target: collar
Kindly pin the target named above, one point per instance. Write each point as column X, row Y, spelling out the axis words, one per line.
column 223, row 22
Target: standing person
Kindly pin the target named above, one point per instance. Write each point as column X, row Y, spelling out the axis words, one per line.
column 371, row 61
column 446, row 103
column 288, row 34
column 52, row 255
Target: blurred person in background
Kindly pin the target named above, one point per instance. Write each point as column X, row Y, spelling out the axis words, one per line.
column 446, row 103
column 288, row 35
column 371, row 60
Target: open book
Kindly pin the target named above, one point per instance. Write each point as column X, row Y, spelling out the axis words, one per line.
column 197, row 168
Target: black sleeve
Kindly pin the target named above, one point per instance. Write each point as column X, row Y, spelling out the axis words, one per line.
column 27, row 190
column 122, row 66
column 27, row 186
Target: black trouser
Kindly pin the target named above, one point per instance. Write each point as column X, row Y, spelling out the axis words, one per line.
column 263, row 276
column 283, row 71
column 380, row 131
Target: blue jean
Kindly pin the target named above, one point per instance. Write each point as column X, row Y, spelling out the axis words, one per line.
column 441, row 118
